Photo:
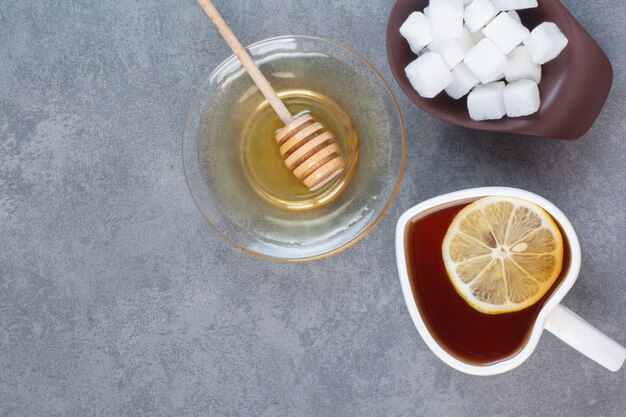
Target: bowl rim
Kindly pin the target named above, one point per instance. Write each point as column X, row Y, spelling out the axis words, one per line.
column 374, row 222
column 432, row 204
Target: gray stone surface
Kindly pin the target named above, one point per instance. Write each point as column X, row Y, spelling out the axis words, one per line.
column 116, row 298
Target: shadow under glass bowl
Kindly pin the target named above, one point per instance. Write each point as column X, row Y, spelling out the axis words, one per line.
column 573, row 87
column 213, row 148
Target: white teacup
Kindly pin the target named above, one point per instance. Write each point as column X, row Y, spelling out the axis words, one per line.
column 554, row 317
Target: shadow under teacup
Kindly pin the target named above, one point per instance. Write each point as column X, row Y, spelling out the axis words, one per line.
column 547, row 314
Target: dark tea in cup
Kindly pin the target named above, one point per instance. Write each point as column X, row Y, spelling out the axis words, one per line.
column 464, row 332
column 460, row 313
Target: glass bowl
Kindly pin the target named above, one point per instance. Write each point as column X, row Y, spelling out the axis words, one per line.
column 214, row 153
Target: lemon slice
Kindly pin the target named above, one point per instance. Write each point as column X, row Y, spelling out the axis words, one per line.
column 502, row 254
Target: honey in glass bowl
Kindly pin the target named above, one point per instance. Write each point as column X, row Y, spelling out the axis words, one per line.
column 265, row 168
column 237, row 177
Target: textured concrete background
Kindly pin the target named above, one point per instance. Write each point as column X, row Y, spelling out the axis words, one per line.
column 116, row 298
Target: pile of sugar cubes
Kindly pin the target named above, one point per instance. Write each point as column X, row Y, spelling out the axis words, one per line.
column 471, row 46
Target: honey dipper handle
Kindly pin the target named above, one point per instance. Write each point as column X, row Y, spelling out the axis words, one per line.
column 247, row 62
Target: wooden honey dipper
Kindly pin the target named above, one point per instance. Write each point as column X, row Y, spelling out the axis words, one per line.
column 309, row 150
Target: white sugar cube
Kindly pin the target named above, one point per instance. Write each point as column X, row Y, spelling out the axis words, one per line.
column 514, row 4
column 416, row 30
column 478, row 14
column 446, row 18
column 486, row 61
column 429, row 74
column 427, row 11
column 466, row 2
column 521, row 98
column 463, row 82
column 453, row 50
column 486, row 102
column 545, row 42
column 505, row 32
column 514, row 16
column 521, row 66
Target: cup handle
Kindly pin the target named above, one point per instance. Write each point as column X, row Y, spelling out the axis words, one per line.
column 582, row 336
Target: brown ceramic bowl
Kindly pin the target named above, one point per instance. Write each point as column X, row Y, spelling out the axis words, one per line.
column 573, row 88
